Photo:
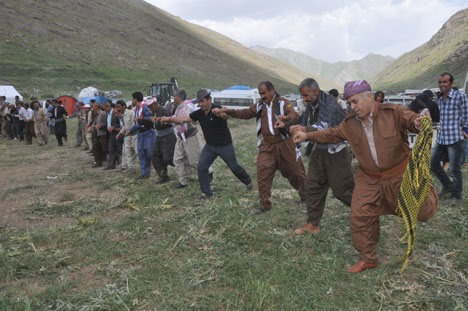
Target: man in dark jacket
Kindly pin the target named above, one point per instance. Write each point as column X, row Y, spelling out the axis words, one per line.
column 114, row 127
column 59, row 114
column 329, row 164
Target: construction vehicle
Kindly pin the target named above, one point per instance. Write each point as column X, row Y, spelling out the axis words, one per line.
column 163, row 91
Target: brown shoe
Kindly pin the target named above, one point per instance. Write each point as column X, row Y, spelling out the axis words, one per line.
column 361, row 266
column 308, row 228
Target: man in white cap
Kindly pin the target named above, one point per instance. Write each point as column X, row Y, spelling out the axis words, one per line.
column 378, row 136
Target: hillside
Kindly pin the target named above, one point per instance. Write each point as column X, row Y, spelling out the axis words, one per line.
column 447, row 50
column 61, row 47
column 339, row 72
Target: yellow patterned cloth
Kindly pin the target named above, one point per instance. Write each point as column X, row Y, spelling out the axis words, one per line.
column 414, row 188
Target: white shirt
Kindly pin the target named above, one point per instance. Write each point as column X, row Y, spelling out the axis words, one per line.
column 29, row 114
column 270, row 113
column 22, row 113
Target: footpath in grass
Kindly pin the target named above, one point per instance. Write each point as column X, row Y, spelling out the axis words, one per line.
column 77, row 238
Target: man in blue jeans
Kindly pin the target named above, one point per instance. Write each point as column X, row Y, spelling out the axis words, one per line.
column 218, row 142
column 146, row 134
column 453, row 106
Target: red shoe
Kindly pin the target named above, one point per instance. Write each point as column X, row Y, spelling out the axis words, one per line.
column 308, row 228
column 361, row 266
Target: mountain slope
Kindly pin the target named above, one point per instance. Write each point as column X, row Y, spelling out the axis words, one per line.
column 60, row 47
column 338, row 72
column 447, row 50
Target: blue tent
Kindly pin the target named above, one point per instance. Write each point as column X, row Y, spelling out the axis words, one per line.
column 238, row 88
column 99, row 99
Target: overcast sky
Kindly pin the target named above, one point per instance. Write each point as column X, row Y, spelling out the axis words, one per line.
column 331, row 30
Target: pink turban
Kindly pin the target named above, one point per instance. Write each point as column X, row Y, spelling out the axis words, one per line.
column 355, row 87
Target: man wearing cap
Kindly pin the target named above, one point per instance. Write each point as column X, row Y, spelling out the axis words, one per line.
column 163, row 149
column 218, row 142
column 378, row 136
column 276, row 151
column 130, row 148
column 40, row 124
column 146, row 135
column 329, row 164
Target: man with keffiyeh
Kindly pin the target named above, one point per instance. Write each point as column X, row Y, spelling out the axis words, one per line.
column 378, row 136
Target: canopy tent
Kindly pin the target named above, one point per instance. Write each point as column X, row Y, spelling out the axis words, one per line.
column 10, row 92
column 99, row 99
column 238, row 88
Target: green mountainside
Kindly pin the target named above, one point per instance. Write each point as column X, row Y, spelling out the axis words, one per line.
column 339, row 72
column 59, row 47
column 447, row 50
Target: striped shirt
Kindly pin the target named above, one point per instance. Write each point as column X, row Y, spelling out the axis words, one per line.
column 453, row 117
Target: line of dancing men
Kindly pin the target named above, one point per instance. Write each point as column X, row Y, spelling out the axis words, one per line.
column 375, row 132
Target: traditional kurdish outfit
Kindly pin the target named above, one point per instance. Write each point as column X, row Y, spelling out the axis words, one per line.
column 276, row 151
column 329, row 165
column 40, row 125
column 163, row 150
column 382, row 151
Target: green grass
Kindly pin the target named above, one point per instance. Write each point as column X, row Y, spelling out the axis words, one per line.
column 98, row 240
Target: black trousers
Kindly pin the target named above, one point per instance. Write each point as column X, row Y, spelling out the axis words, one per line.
column 60, row 131
column 115, row 149
column 163, row 153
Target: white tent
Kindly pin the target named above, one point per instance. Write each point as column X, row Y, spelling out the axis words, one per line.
column 10, row 92
column 90, row 92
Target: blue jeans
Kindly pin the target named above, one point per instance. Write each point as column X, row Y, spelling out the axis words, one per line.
column 145, row 144
column 454, row 151
column 207, row 157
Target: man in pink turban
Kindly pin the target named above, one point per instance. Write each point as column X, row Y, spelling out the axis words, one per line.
column 378, row 136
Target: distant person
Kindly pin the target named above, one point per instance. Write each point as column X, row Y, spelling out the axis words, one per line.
column 218, row 142
column 80, row 115
column 90, row 133
column 84, row 124
column 40, row 124
column 59, row 115
column 51, row 124
column 3, row 110
column 276, row 151
column 379, row 97
column 130, row 146
column 336, row 96
column 28, row 124
column 99, row 126
column 433, row 108
column 163, row 149
column 453, row 106
column 21, row 114
column 146, row 134
column 113, row 127
column 418, row 106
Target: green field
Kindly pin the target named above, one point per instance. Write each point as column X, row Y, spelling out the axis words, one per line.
column 77, row 238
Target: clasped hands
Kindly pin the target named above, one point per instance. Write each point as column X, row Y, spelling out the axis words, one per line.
column 298, row 131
